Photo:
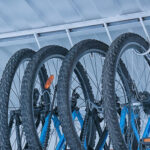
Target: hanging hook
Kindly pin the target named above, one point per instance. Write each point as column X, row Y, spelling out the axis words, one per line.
column 144, row 53
column 148, row 37
column 36, row 39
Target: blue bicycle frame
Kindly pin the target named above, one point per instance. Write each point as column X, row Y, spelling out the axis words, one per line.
column 146, row 133
column 61, row 143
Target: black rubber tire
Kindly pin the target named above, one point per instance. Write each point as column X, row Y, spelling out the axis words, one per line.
column 26, row 91
column 27, row 86
column 63, row 87
column 5, row 87
column 108, row 83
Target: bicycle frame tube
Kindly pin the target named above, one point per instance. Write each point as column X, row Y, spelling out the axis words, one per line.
column 75, row 114
column 147, row 129
column 134, row 127
column 61, row 143
column 104, row 140
column 124, row 112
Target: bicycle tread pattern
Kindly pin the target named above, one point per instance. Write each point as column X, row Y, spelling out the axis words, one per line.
column 108, row 85
column 26, row 93
column 5, row 86
column 63, row 85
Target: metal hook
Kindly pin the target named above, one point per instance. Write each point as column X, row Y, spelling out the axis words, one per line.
column 148, row 37
column 144, row 53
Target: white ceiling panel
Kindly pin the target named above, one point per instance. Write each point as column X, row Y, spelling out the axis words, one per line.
column 22, row 15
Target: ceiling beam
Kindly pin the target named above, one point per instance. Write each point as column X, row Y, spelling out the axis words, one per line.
column 75, row 25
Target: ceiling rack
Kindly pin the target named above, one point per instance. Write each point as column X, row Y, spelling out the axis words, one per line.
column 105, row 22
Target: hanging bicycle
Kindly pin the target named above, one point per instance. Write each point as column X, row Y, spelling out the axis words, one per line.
column 91, row 54
column 11, row 133
column 131, row 130
column 40, row 107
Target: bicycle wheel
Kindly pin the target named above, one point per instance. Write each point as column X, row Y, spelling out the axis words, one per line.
column 131, row 129
column 49, row 133
column 91, row 54
column 11, row 134
column 36, row 105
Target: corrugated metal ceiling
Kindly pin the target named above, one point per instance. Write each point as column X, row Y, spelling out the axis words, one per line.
column 28, row 14
column 18, row 15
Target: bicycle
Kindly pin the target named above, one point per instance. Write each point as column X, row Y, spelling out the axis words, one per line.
column 91, row 54
column 11, row 133
column 43, row 109
column 131, row 129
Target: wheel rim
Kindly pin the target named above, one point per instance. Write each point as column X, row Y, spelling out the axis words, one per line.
column 17, row 136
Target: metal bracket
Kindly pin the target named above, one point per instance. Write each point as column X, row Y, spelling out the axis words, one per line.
column 92, row 106
column 69, row 37
column 36, row 39
column 108, row 33
column 147, row 35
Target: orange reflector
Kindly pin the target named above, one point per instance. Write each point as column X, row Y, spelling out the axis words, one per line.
column 146, row 140
column 49, row 82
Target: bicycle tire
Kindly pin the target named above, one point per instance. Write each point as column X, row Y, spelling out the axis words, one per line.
column 69, row 62
column 108, row 78
column 26, row 92
column 5, row 87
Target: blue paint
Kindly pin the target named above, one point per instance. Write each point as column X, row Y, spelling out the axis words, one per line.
column 102, row 146
column 147, row 129
column 44, row 130
column 134, row 127
column 123, row 118
column 61, row 143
